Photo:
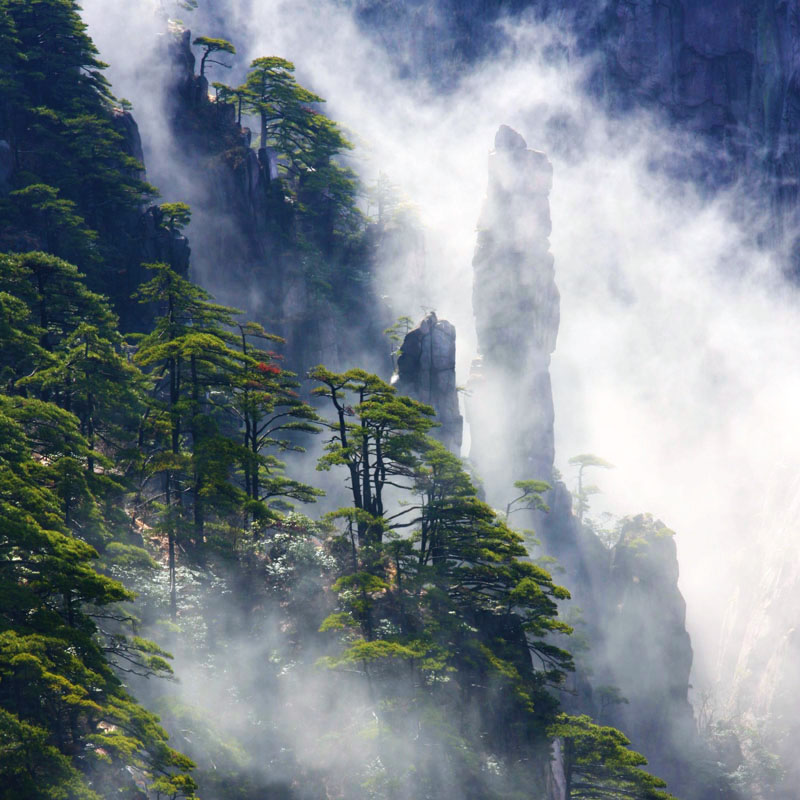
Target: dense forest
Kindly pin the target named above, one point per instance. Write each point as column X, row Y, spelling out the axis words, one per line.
column 228, row 571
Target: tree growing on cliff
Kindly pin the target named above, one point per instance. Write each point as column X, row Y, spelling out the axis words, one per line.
column 435, row 601
column 287, row 117
column 583, row 492
column 72, row 158
column 377, row 435
column 210, row 47
column 272, row 414
column 278, row 100
column 599, row 766
column 187, row 353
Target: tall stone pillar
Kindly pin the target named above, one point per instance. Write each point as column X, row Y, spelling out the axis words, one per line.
column 516, row 307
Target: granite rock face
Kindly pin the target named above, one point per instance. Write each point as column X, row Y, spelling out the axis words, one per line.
column 246, row 236
column 427, row 372
column 760, row 645
column 6, row 167
column 727, row 71
column 516, row 307
column 160, row 244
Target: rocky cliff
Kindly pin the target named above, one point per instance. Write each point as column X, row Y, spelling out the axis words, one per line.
column 642, row 648
column 426, row 371
column 251, row 248
column 133, row 235
column 760, row 649
column 725, row 71
column 626, row 603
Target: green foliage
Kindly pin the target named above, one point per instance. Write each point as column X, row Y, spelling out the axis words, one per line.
column 174, row 443
column 68, row 727
column 219, row 405
column 51, row 222
column 176, row 216
column 396, row 334
column 211, row 46
column 530, row 499
column 77, row 189
column 582, row 494
column 449, row 609
column 599, row 765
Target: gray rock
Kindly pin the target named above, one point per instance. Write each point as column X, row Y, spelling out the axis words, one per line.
column 633, row 612
column 126, row 126
column 161, row 245
column 507, row 138
column 427, row 372
column 516, row 307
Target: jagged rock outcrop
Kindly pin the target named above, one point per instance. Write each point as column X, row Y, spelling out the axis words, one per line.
column 516, row 307
column 426, row 371
column 126, row 126
column 248, row 248
column 6, row 167
column 633, row 615
column 162, row 244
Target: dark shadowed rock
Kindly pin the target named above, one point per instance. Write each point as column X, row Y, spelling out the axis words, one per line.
column 245, row 232
column 162, row 245
column 427, row 372
column 6, row 166
column 126, row 126
column 645, row 651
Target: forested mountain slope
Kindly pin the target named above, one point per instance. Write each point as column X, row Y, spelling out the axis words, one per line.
column 410, row 642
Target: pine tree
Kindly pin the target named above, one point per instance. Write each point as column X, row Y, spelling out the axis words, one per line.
column 271, row 412
column 58, row 102
column 437, row 605
column 599, row 766
column 210, row 47
column 187, row 354
column 68, row 727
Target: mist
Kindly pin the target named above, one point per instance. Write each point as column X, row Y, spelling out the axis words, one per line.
column 678, row 332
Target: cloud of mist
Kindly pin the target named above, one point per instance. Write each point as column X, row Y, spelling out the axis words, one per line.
column 678, row 342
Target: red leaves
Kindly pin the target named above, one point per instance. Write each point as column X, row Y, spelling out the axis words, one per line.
column 268, row 369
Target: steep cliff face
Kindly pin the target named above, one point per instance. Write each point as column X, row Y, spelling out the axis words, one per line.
column 726, row 70
column 645, row 650
column 250, row 247
column 132, row 235
column 516, row 307
column 426, row 371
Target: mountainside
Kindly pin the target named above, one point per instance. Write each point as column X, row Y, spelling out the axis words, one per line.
column 725, row 69
column 363, row 593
